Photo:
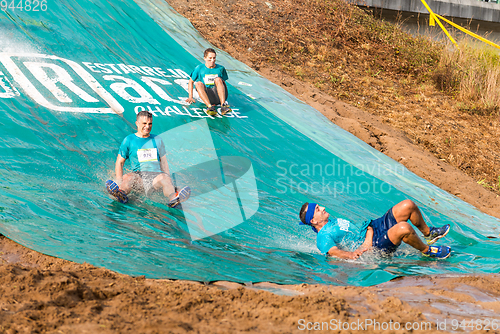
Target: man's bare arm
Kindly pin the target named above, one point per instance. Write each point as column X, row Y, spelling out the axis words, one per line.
column 367, row 244
column 338, row 253
column 120, row 161
column 190, row 91
column 164, row 165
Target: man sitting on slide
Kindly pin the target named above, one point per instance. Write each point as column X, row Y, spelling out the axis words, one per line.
column 209, row 79
column 338, row 238
column 149, row 164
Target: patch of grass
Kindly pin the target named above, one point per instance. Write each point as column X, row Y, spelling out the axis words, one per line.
column 299, row 72
column 471, row 73
column 485, row 184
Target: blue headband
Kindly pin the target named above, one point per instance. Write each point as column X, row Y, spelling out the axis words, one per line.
column 310, row 212
column 309, row 215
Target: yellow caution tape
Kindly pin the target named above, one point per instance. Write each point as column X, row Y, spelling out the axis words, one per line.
column 468, row 32
column 435, row 18
column 432, row 21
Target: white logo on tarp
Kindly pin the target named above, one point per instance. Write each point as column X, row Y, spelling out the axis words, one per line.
column 63, row 85
column 7, row 90
column 59, row 76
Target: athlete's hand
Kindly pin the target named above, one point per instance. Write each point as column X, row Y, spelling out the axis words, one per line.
column 190, row 100
column 357, row 253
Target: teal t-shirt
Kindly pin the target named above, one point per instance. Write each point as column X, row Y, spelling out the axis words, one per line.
column 208, row 75
column 342, row 234
column 144, row 153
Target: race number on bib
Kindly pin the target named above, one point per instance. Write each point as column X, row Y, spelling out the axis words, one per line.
column 209, row 79
column 147, row 154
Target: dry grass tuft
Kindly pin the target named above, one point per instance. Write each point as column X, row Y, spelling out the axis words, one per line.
column 471, row 73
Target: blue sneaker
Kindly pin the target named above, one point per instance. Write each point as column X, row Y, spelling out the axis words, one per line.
column 438, row 252
column 115, row 191
column 180, row 196
column 437, row 233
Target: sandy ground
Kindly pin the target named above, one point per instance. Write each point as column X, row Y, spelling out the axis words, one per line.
column 42, row 294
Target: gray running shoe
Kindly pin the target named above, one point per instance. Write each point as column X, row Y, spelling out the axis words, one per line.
column 180, row 197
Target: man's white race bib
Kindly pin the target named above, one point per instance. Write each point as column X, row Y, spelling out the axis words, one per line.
column 147, row 154
column 209, row 79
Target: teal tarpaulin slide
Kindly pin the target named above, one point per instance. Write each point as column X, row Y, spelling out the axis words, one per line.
column 73, row 75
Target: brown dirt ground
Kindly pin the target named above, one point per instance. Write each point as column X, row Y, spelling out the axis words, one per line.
column 42, row 294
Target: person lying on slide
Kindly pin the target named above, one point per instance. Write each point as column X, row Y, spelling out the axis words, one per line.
column 149, row 164
column 339, row 238
column 209, row 79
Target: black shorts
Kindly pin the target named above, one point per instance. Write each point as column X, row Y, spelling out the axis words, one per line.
column 380, row 227
column 147, row 180
column 212, row 94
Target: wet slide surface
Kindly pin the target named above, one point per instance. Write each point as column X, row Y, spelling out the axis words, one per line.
column 73, row 75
